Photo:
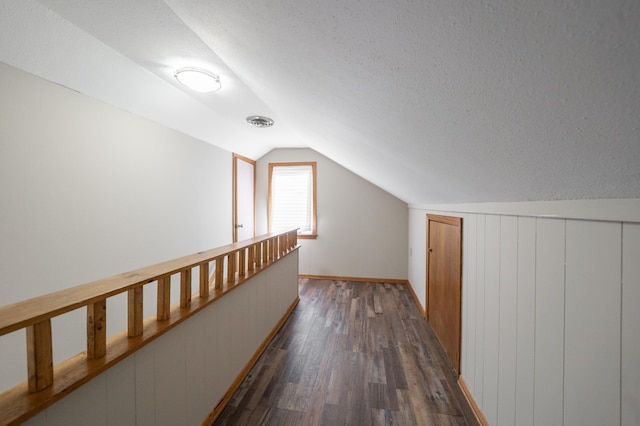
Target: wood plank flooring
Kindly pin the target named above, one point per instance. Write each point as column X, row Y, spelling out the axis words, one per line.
column 352, row 353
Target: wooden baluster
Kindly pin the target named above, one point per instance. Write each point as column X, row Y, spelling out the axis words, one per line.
column 204, row 279
column 295, row 238
column 231, row 267
column 242, row 262
column 185, row 288
column 164, row 298
column 252, row 258
column 272, row 249
column 219, row 272
column 97, row 329
column 39, row 356
column 135, row 311
column 260, row 254
column 278, row 246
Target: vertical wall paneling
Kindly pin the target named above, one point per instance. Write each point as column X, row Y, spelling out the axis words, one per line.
column 213, row 322
column 145, row 386
column 508, row 320
column 198, row 407
column 491, row 318
column 121, row 400
column 630, row 325
column 480, row 308
column 525, row 321
column 549, row 334
column 592, row 323
column 469, row 259
column 88, row 407
column 551, row 314
column 170, row 377
column 464, row 302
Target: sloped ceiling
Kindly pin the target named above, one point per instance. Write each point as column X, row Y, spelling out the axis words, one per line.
column 433, row 101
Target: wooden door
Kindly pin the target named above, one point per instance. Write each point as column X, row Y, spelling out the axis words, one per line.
column 244, row 197
column 444, row 279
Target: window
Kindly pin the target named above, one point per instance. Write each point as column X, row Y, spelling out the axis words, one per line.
column 292, row 198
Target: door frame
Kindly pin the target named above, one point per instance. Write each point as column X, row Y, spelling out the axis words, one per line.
column 456, row 222
column 234, row 202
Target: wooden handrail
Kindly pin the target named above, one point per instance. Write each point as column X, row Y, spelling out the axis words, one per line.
column 33, row 311
column 242, row 260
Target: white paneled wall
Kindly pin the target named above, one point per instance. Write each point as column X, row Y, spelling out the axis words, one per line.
column 508, row 319
column 592, row 323
column 551, row 317
column 180, row 377
column 549, row 322
column 630, row 324
column 525, row 321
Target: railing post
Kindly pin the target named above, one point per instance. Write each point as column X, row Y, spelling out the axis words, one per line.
column 39, row 356
column 97, row 329
column 135, row 311
column 263, row 252
column 204, row 279
column 252, row 258
column 185, row 288
column 272, row 249
column 164, row 298
column 219, row 272
column 231, row 267
column 242, row 262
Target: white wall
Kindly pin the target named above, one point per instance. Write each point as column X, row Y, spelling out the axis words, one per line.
column 179, row 378
column 88, row 191
column 362, row 230
column 550, row 311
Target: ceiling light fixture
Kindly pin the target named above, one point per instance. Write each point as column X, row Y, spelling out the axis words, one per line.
column 199, row 80
column 259, row 121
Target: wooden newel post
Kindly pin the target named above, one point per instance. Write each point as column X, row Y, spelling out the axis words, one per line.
column 39, row 356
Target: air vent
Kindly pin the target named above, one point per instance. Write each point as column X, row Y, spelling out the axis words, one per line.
column 259, row 121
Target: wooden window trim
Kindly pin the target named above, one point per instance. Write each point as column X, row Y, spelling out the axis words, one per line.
column 314, row 231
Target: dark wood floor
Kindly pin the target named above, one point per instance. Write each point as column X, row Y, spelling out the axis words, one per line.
column 351, row 353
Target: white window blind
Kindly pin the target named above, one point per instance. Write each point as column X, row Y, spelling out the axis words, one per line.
column 292, row 198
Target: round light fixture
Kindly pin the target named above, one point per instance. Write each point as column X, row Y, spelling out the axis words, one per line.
column 199, row 80
column 259, row 121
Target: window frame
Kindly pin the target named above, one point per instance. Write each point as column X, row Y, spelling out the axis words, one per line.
column 314, row 232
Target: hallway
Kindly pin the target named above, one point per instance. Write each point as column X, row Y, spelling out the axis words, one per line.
column 351, row 353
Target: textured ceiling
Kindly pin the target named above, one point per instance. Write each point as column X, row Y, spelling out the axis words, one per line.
column 434, row 101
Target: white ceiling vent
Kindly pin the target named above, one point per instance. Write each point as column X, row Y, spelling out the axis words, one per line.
column 259, row 121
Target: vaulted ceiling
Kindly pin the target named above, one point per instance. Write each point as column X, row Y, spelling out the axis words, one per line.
column 432, row 100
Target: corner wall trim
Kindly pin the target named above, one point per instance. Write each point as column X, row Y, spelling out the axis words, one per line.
column 482, row 420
